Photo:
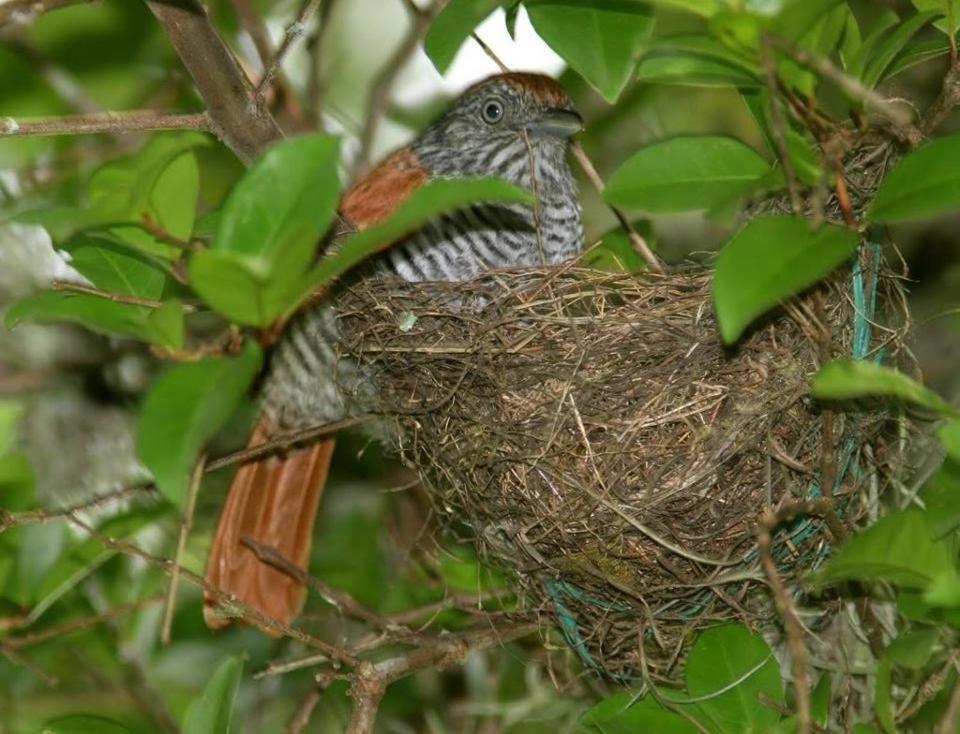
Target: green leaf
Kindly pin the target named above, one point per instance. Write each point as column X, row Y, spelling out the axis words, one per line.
column 166, row 321
column 898, row 548
column 941, row 495
column 728, row 669
column 891, row 45
column 881, row 22
column 881, row 696
column 950, row 9
column 624, row 713
column 703, row 8
column 615, row 252
column 916, row 53
column 692, row 71
column 864, row 729
column 600, row 41
column 683, row 174
column 111, row 268
column 185, row 407
column 40, row 546
column 820, row 701
column 949, row 435
column 847, row 379
column 798, row 17
column 913, row 649
column 452, row 26
column 94, row 312
column 285, row 201
column 769, row 260
column 269, row 230
column 925, row 183
column 425, row 204
column 84, row 724
column 211, row 713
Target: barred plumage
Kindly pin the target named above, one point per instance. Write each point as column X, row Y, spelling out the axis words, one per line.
column 308, row 383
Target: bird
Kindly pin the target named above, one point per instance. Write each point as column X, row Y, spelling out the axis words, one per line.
column 516, row 126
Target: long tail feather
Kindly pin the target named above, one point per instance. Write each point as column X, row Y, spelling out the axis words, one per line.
column 274, row 502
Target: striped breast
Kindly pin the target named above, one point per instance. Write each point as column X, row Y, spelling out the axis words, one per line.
column 310, row 384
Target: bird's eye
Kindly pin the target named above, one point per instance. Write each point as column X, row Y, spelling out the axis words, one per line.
column 492, row 111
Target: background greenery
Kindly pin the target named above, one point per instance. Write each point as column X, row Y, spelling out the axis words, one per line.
column 100, row 396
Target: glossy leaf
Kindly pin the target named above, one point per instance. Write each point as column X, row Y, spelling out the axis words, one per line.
column 728, row 669
column 212, row 712
column 685, row 173
column 769, row 260
column 185, row 407
column 600, row 41
column 925, row 183
column 426, row 203
column 625, row 713
column 84, row 724
column 452, row 26
column 847, row 379
column 111, row 268
column 898, row 548
column 950, row 9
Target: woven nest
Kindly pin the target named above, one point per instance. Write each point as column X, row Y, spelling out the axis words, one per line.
column 590, row 434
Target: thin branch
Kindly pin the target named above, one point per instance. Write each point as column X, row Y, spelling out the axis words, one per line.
column 294, row 31
column 185, row 525
column 103, row 122
column 778, row 126
column 490, row 52
column 945, row 102
column 32, row 517
column 236, row 116
column 26, row 11
column 68, row 285
column 636, row 239
column 283, row 442
column 301, row 716
column 380, row 92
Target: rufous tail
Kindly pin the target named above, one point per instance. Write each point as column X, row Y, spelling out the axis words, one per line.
column 274, row 502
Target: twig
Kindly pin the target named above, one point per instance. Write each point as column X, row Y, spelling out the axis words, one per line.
column 380, row 92
column 778, row 126
column 294, row 31
column 236, row 116
column 945, row 102
column 32, row 517
column 26, row 11
column 282, row 443
column 636, row 239
column 185, row 525
column 68, row 285
column 490, row 52
column 301, row 716
column 103, row 122
column 948, row 722
column 791, row 622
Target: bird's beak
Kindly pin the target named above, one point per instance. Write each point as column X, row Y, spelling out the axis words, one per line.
column 557, row 122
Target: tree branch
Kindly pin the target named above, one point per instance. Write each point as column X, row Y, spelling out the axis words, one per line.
column 236, row 116
column 25, row 11
column 103, row 122
column 293, row 32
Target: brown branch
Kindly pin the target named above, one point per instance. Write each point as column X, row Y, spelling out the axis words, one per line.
column 185, row 525
column 301, row 717
column 778, row 126
column 236, row 116
column 68, row 285
column 791, row 622
column 102, row 122
column 294, row 31
column 26, row 11
column 636, row 239
column 283, row 442
column 490, row 52
column 946, row 101
column 32, row 517
column 380, row 93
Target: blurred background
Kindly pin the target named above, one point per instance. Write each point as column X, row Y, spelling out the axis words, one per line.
column 68, row 398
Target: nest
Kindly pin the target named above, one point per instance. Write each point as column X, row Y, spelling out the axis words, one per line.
column 590, row 434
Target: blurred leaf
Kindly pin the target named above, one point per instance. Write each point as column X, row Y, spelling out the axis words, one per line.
column 452, row 26
column 898, row 548
column 941, row 495
column 728, row 669
column 847, row 379
column 94, row 312
column 426, row 203
column 926, row 182
column 185, row 407
column 703, row 8
column 684, row 173
column 881, row 21
column 864, row 729
column 950, row 9
column 600, row 41
column 820, row 701
column 916, row 53
column 40, row 546
column 10, row 412
column 697, row 44
column 949, row 435
column 739, row 31
column 770, row 259
column 616, row 253
column 624, row 713
column 799, row 17
column 112, row 269
column 881, row 696
column 692, row 71
column 167, row 323
column 912, row 650
column 84, row 724
column 269, row 230
column 804, row 157
column 212, row 712
column 891, row 45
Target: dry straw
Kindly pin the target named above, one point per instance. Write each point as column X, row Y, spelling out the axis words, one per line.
column 590, row 434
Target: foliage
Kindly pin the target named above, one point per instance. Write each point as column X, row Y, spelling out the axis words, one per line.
column 176, row 249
